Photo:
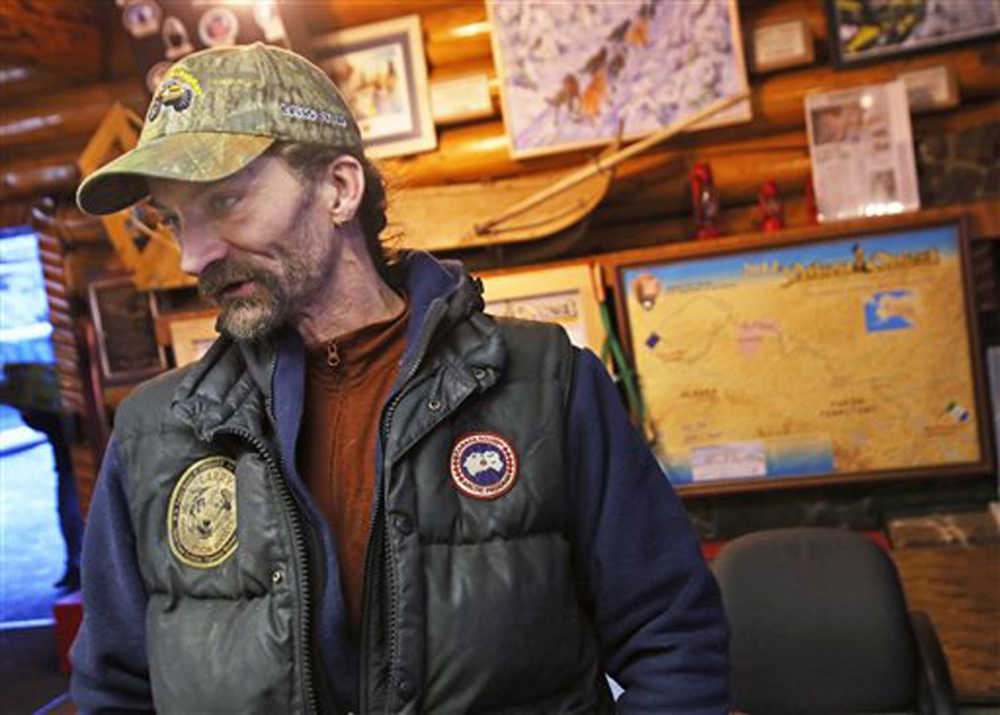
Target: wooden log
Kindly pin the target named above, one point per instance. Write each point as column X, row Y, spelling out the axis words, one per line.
column 21, row 79
column 658, row 184
column 778, row 100
column 62, row 34
column 47, row 174
column 328, row 15
column 51, row 117
column 15, row 213
column 456, row 34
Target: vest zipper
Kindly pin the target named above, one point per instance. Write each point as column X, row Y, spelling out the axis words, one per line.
column 378, row 520
column 276, row 470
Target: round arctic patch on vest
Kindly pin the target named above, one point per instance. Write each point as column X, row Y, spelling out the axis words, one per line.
column 201, row 516
column 483, row 465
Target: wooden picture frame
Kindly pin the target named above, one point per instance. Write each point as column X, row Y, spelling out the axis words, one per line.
column 125, row 327
column 191, row 336
column 381, row 70
column 830, row 357
column 566, row 86
column 859, row 35
column 566, row 295
column 781, row 44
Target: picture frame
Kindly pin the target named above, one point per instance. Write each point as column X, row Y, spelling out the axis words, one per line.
column 750, row 384
column 191, row 336
column 381, row 69
column 125, row 328
column 565, row 294
column 562, row 90
column 858, row 35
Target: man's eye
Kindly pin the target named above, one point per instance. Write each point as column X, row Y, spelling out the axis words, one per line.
column 223, row 202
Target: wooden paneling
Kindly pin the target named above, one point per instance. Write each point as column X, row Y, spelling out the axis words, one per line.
column 64, row 35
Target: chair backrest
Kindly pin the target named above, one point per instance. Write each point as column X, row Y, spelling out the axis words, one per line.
column 819, row 624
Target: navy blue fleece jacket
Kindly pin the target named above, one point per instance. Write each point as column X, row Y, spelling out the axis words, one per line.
column 655, row 604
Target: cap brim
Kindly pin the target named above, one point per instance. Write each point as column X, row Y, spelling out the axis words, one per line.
column 187, row 156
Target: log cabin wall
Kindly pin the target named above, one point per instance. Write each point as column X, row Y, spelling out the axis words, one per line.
column 64, row 63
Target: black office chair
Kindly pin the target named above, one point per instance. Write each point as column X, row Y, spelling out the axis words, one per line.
column 820, row 625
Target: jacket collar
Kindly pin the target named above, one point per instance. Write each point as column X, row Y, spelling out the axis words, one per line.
column 218, row 391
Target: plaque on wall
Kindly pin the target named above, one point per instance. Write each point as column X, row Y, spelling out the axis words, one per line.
column 931, row 88
column 125, row 322
column 782, row 44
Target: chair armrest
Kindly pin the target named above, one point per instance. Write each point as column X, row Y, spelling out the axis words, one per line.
column 935, row 691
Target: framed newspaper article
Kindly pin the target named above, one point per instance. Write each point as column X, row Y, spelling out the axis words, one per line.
column 382, row 71
column 861, row 148
column 841, row 357
column 565, row 295
column 578, row 74
column 871, row 30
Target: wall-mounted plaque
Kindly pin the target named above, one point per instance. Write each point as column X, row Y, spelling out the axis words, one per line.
column 565, row 295
column 782, row 44
column 931, row 88
column 125, row 321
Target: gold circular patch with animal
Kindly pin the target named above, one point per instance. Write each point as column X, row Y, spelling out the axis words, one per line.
column 201, row 517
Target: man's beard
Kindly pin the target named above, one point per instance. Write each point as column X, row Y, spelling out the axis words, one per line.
column 245, row 317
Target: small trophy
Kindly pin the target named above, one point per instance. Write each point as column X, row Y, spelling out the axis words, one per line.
column 772, row 208
column 705, row 201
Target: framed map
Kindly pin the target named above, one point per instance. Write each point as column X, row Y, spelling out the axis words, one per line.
column 572, row 74
column 846, row 357
column 869, row 30
column 565, row 295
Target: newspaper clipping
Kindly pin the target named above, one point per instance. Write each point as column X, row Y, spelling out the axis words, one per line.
column 861, row 146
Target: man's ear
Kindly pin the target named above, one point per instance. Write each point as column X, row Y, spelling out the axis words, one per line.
column 347, row 179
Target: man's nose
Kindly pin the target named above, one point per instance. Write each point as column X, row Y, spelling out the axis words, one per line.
column 200, row 246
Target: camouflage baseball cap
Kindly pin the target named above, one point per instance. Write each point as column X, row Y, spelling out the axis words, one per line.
column 216, row 111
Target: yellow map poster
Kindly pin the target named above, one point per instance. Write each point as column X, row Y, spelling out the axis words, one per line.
column 827, row 358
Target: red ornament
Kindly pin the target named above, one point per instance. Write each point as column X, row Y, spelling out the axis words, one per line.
column 772, row 208
column 705, row 201
column 812, row 214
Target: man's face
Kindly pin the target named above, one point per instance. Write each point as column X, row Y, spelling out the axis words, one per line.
column 260, row 242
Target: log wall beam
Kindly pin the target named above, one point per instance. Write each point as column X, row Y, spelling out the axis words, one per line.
column 51, row 117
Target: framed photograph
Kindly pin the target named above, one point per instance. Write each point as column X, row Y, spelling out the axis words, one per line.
column 574, row 74
column 820, row 360
column 382, row 71
column 191, row 337
column 125, row 323
column 566, row 295
column 869, row 30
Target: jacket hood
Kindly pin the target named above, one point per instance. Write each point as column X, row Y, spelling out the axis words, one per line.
column 441, row 294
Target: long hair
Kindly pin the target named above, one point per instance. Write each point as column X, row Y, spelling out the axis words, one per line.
column 309, row 161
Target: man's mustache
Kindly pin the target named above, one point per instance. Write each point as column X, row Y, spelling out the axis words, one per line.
column 221, row 274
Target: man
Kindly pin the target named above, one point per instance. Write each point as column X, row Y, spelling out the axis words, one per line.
column 368, row 496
